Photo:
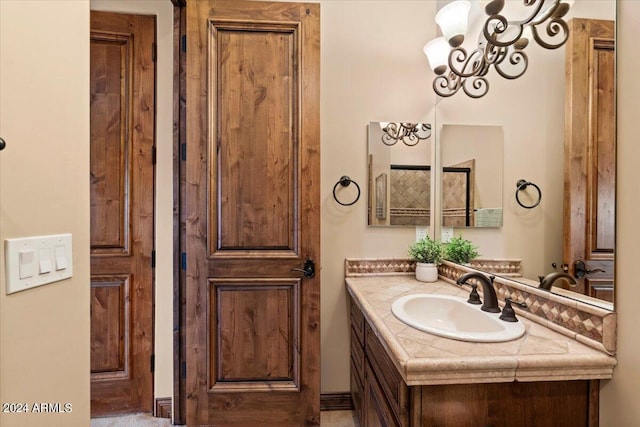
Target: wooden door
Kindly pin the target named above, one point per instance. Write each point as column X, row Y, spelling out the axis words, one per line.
column 122, row 212
column 590, row 157
column 253, row 207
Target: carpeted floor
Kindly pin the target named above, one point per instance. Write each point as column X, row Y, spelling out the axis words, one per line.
column 133, row 420
column 327, row 419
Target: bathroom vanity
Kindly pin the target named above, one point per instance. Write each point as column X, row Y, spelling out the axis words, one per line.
column 401, row 376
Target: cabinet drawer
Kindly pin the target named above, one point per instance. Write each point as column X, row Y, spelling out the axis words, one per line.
column 390, row 379
column 357, row 322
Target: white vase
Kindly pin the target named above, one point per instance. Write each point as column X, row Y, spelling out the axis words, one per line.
column 426, row 272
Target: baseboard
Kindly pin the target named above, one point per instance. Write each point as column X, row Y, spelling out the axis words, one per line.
column 163, row 407
column 328, row 402
column 336, row 402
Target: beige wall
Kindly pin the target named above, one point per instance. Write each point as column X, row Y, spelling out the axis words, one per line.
column 163, row 337
column 44, row 189
column 620, row 397
column 373, row 69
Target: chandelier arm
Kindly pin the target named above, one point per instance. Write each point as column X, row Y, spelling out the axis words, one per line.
column 516, row 58
column 465, row 64
column 423, row 131
column 554, row 28
column 495, row 25
column 494, row 54
column 537, row 8
column 390, row 134
column 410, row 141
column 446, row 86
column 479, row 87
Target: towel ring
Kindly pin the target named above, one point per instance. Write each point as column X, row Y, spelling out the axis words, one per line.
column 523, row 184
column 345, row 181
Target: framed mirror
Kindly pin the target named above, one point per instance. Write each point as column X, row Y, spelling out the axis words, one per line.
column 541, row 124
column 399, row 164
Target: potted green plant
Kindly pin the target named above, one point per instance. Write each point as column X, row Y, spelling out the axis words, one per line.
column 460, row 250
column 428, row 254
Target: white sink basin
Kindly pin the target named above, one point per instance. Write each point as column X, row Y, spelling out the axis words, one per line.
column 452, row 317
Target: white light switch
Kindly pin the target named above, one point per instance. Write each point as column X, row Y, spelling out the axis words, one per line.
column 44, row 260
column 61, row 258
column 37, row 261
column 26, row 263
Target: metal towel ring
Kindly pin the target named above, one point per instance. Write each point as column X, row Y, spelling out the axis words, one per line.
column 521, row 185
column 345, row 181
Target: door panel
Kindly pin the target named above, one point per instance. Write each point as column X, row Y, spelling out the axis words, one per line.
column 255, row 333
column 253, row 209
column 255, row 149
column 121, row 167
column 590, row 147
column 111, row 86
column 109, row 324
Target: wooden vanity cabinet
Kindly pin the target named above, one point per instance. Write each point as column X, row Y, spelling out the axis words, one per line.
column 379, row 394
column 382, row 398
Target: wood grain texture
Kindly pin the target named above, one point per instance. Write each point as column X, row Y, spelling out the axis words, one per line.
column 378, row 411
column 590, row 146
column 122, row 198
column 252, row 204
column 110, row 332
column 163, row 407
column 179, row 216
column 390, row 381
column 111, row 97
column 256, row 126
column 336, row 402
column 540, row 404
column 256, row 332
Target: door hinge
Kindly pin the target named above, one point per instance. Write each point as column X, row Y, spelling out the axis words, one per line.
column 183, row 42
column 183, row 261
column 152, row 363
column 154, row 51
column 154, row 155
column 153, row 258
column 183, row 152
column 183, row 370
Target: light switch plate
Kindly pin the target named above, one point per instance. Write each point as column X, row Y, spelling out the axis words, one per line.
column 421, row 232
column 446, row 234
column 42, row 248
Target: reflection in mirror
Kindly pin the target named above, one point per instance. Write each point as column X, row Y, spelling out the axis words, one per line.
column 399, row 163
column 541, row 131
column 472, row 160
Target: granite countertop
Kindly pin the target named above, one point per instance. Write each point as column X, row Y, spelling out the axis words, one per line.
column 425, row 359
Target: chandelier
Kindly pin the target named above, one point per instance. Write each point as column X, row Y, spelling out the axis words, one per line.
column 409, row 133
column 501, row 43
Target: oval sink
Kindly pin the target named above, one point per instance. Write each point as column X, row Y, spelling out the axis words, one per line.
column 452, row 317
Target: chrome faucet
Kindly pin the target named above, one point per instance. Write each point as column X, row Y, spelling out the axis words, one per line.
column 547, row 281
column 488, row 291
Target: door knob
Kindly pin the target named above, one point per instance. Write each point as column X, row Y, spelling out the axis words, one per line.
column 582, row 270
column 2, row 144
column 308, row 269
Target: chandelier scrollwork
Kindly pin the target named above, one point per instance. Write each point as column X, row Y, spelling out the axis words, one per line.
column 409, row 133
column 501, row 45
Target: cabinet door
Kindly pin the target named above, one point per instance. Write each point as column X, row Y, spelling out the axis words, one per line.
column 357, row 395
column 377, row 412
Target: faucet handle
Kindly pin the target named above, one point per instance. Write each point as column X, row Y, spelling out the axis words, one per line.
column 508, row 314
column 474, row 297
